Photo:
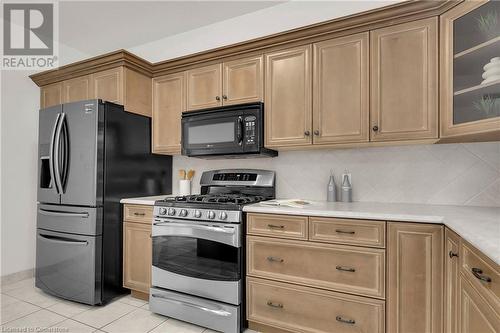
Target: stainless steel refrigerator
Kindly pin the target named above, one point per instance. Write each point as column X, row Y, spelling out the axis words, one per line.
column 90, row 155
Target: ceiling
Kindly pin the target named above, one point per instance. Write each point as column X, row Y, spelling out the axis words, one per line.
column 96, row 27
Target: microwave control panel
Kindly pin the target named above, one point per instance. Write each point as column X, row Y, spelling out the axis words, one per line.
column 250, row 132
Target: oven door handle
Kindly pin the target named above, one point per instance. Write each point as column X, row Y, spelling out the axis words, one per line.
column 218, row 312
column 196, row 226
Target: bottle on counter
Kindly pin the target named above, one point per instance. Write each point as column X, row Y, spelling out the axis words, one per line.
column 346, row 192
column 331, row 193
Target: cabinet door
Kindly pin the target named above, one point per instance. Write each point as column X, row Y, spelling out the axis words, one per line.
column 137, row 254
column 77, row 89
column 169, row 101
column 243, row 81
column 108, row 85
column 340, row 90
column 204, row 87
column 137, row 92
column 288, row 96
column 51, row 95
column 469, row 102
column 476, row 315
column 404, row 81
column 414, row 278
column 451, row 275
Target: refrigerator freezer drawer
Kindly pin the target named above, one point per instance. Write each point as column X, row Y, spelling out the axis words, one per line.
column 75, row 220
column 69, row 266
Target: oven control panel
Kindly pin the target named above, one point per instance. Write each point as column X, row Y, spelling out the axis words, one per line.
column 250, row 130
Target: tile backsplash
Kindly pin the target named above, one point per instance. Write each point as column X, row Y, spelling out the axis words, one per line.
column 454, row 174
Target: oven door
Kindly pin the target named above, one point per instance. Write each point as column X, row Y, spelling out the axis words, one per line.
column 212, row 133
column 198, row 258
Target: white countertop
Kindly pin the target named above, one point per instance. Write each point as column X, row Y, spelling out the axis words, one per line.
column 480, row 226
column 145, row 200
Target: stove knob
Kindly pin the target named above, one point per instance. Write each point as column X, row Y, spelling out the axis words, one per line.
column 197, row 214
column 211, row 215
column 162, row 211
column 183, row 213
column 171, row 211
column 223, row 215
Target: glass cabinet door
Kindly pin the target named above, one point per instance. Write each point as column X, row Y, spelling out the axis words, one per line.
column 470, row 73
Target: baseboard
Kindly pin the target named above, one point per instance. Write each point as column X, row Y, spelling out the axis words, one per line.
column 15, row 277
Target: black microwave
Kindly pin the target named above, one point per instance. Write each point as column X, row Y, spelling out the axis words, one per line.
column 235, row 131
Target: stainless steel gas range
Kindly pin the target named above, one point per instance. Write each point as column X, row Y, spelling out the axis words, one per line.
column 198, row 249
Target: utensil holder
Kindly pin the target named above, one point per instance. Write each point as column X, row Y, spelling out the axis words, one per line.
column 184, row 187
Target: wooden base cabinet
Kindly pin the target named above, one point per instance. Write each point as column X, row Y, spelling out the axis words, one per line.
column 451, row 276
column 414, row 278
column 476, row 315
column 303, row 309
column 137, row 248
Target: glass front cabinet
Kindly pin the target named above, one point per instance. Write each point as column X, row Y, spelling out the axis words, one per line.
column 470, row 72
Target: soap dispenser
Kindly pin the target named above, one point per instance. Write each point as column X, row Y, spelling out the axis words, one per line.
column 331, row 194
column 346, row 193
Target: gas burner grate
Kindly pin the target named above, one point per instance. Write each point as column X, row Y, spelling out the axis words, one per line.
column 218, row 198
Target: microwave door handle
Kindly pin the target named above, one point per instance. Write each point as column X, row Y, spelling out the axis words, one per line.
column 52, row 155
column 240, row 130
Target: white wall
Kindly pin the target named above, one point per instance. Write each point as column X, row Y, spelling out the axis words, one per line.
column 260, row 23
column 454, row 174
column 19, row 143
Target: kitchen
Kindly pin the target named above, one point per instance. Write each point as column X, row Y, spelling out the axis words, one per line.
column 385, row 99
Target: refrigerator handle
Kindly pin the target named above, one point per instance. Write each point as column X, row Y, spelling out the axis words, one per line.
column 66, row 152
column 56, row 213
column 52, row 155
column 57, row 154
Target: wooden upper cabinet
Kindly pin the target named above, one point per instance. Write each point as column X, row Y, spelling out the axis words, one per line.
column 137, row 92
column 204, row 86
column 51, row 94
column 243, row 81
column 169, row 101
column 451, row 276
column 77, row 89
column 288, row 114
column 414, row 278
column 108, row 85
column 469, row 105
column 404, row 81
column 341, row 90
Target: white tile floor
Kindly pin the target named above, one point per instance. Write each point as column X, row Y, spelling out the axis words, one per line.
column 25, row 307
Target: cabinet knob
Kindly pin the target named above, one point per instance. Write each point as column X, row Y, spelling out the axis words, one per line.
column 316, row 132
column 217, row 98
column 452, row 254
column 224, row 97
column 375, row 128
column 307, row 133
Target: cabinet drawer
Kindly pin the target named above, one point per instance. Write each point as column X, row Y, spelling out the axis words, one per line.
column 303, row 309
column 345, row 231
column 337, row 267
column 138, row 213
column 482, row 272
column 283, row 226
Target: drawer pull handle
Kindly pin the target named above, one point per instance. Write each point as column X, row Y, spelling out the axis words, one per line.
column 345, row 321
column 275, row 305
column 275, row 259
column 478, row 273
column 139, row 214
column 345, row 269
column 345, row 232
column 452, row 254
column 274, row 226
